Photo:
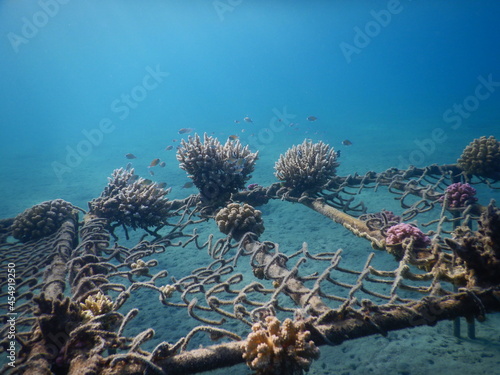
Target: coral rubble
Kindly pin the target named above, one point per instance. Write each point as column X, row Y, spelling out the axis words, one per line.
column 480, row 250
column 459, row 195
column 274, row 348
column 307, row 166
column 41, row 220
column 216, row 170
column 239, row 219
column 481, row 158
column 132, row 201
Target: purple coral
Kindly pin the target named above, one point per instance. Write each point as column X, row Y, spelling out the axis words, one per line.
column 459, row 195
column 400, row 232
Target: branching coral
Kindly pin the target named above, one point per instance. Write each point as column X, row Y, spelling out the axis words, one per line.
column 482, row 158
column 459, row 195
column 96, row 305
column 480, row 250
column 132, row 201
column 41, row 220
column 239, row 219
column 216, row 170
column 307, row 166
column 272, row 348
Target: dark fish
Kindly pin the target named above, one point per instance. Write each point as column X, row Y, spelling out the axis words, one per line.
column 151, row 172
column 346, row 142
column 337, row 153
column 128, row 167
column 174, row 140
column 233, row 137
column 154, row 162
column 168, row 148
column 312, row 118
column 236, row 122
column 185, row 130
column 163, row 164
column 146, row 181
column 161, row 185
column 187, row 185
column 130, row 156
column 133, row 178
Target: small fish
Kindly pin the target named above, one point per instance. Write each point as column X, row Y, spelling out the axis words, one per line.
column 154, row 162
column 247, row 119
column 128, row 167
column 161, row 185
column 233, row 137
column 185, row 130
column 346, row 142
column 163, row 164
column 130, row 156
column 174, row 140
column 187, row 185
column 338, row 153
column 236, row 121
column 168, row 148
column 312, row 118
column 133, row 178
column 146, row 181
column 151, row 172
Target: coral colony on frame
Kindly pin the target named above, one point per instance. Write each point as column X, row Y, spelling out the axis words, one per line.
column 76, row 282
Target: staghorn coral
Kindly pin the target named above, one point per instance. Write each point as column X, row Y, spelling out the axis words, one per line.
column 95, row 305
column 239, row 219
column 216, row 170
column 307, row 166
column 459, row 195
column 129, row 200
column 480, row 250
column 41, row 220
column 272, row 348
column 481, row 158
column 400, row 233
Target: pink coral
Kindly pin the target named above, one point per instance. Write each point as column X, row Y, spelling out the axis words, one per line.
column 459, row 195
column 400, row 232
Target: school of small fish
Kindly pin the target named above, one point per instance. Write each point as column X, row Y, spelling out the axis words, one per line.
column 239, row 163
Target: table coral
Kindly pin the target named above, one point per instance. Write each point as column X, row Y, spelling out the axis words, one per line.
column 129, row 200
column 216, row 170
column 307, row 166
column 274, row 348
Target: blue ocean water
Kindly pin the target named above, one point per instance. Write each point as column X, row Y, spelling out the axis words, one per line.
column 381, row 74
column 85, row 82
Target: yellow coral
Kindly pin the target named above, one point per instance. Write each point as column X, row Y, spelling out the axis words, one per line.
column 274, row 348
column 96, row 305
column 167, row 290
